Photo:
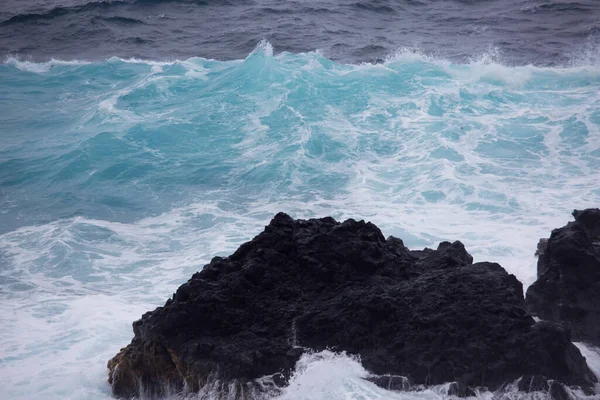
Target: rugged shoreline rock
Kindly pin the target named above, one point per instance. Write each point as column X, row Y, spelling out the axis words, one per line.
column 567, row 288
column 431, row 316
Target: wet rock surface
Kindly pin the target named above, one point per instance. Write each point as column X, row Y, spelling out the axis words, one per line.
column 568, row 282
column 431, row 316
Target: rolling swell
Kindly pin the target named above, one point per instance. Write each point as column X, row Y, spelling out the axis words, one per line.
column 228, row 29
column 97, row 6
column 561, row 7
column 62, row 11
column 377, row 6
column 121, row 20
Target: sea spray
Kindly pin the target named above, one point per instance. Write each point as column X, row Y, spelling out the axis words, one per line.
column 121, row 178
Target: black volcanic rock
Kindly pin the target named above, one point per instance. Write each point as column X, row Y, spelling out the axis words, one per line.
column 568, row 282
column 431, row 316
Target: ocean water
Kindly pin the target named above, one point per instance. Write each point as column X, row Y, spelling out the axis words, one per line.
column 120, row 176
column 538, row 32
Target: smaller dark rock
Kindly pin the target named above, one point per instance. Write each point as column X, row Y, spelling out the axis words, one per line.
column 567, row 288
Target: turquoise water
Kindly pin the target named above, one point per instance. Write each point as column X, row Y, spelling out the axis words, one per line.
column 119, row 179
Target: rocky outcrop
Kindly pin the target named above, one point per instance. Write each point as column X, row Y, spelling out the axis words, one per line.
column 431, row 316
column 568, row 277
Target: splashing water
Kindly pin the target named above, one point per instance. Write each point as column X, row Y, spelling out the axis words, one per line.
column 119, row 179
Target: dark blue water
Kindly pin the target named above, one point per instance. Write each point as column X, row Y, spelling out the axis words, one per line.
column 138, row 139
column 539, row 32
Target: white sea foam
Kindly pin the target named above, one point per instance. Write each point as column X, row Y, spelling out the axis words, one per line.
column 585, row 59
column 492, row 155
column 41, row 67
column 66, row 335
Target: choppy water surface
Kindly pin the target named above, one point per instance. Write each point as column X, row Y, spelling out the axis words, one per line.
column 539, row 32
column 119, row 177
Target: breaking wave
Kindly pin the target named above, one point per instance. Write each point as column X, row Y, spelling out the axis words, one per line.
column 121, row 178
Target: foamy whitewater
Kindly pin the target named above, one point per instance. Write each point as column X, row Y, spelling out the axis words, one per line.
column 119, row 179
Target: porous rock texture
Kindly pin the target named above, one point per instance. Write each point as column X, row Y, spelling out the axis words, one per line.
column 567, row 288
column 431, row 316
